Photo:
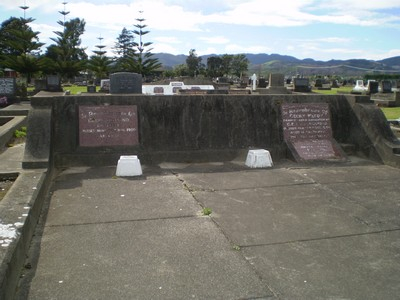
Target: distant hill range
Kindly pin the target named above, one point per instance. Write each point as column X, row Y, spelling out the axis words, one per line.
column 263, row 64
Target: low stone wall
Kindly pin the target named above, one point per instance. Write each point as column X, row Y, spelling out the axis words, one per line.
column 183, row 127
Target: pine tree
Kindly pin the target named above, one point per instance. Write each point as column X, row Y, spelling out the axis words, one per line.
column 68, row 57
column 146, row 64
column 99, row 63
column 20, row 47
column 124, row 49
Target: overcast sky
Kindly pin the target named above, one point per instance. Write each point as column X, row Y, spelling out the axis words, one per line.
column 318, row 29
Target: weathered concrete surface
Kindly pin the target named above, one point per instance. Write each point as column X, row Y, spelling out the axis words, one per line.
column 111, row 238
column 7, row 130
column 19, row 213
column 289, row 232
column 186, row 127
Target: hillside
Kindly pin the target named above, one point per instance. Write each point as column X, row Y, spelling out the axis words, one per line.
column 266, row 63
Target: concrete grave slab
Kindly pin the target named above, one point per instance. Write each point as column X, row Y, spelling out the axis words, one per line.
column 83, row 196
column 380, row 199
column 350, row 174
column 244, row 179
column 281, row 214
column 364, row 267
column 184, row 258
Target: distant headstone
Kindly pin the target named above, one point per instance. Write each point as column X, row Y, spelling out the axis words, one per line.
column 308, row 133
column 318, row 82
column 373, row 87
column 125, row 83
column 276, row 85
column 91, row 89
column 386, row 86
column 276, row 80
column 7, row 86
column 302, row 85
column 254, row 81
column 262, row 82
column 222, row 79
column 105, row 85
column 114, row 125
column 335, row 84
column 40, row 85
column 53, row 83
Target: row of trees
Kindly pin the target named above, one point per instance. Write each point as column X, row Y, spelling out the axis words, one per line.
column 217, row 66
column 20, row 50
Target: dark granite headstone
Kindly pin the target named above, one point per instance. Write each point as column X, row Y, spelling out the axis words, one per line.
column 373, row 87
column 262, row 83
column 302, row 85
column 318, row 82
column 335, row 84
column 91, row 89
column 114, row 125
column 40, row 85
column 53, row 83
column 125, row 83
column 386, row 86
column 308, row 133
column 7, row 86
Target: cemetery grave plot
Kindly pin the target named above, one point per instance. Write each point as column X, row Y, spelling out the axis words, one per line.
column 5, row 184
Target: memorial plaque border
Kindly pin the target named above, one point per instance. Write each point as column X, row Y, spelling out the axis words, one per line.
column 115, row 126
column 307, row 132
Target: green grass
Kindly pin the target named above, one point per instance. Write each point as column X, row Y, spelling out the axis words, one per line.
column 206, row 211
column 75, row 89
column 391, row 112
column 334, row 91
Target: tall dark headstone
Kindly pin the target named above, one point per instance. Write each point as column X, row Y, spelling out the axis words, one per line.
column 54, row 83
column 7, row 86
column 386, row 86
column 373, row 87
column 125, row 83
column 7, row 90
column 307, row 132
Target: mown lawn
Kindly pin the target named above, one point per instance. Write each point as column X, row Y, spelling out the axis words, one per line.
column 75, row 89
column 391, row 112
column 334, row 91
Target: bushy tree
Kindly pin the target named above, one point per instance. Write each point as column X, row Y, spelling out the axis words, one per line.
column 193, row 63
column 125, row 51
column 66, row 54
column 239, row 65
column 20, row 46
column 214, row 67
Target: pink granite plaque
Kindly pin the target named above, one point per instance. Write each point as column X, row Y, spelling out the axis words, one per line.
column 307, row 131
column 113, row 125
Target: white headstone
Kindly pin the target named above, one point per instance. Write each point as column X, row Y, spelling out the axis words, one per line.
column 254, row 80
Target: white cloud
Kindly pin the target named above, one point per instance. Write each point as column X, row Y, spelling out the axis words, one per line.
column 167, row 39
column 214, row 40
